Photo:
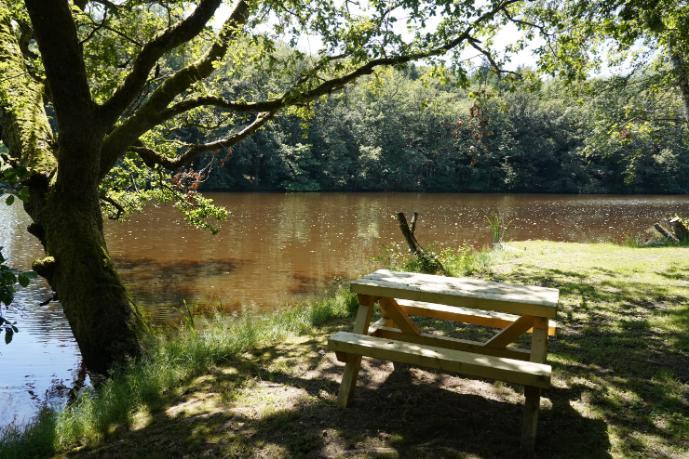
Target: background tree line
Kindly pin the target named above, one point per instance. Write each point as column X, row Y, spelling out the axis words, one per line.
column 413, row 129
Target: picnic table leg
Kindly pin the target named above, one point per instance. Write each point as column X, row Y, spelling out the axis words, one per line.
column 361, row 322
column 397, row 318
column 532, row 400
column 532, row 395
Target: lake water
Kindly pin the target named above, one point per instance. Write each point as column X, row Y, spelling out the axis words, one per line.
column 275, row 249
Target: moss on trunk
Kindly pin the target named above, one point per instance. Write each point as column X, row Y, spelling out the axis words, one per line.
column 105, row 322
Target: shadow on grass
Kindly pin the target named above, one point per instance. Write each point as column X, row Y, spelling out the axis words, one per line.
column 410, row 413
column 628, row 340
column 619, row 366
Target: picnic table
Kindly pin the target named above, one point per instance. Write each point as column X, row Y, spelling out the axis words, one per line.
column 513, row 309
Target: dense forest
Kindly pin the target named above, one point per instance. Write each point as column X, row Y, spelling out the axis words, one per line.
column 408, row 130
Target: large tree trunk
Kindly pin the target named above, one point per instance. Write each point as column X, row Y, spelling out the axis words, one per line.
column 104, row 321
column 63, row 199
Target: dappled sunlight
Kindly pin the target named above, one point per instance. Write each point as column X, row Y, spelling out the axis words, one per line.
column 283, row 405
column 618, row 343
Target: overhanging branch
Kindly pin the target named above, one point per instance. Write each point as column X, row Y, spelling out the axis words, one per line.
column 169, row 39
column 157, row 110
column 294, row 96
column 152, row 157
column 148, row 115
column 474, row 43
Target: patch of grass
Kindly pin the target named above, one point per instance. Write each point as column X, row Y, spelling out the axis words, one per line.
column 35, row 440
column 466, row 261
column 497, row 226
column 622, row 347
column 170, row 361
column 461, row 261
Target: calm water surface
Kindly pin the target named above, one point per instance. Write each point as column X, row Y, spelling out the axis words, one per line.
column 274, row 249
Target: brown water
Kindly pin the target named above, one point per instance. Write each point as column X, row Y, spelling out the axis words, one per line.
column 275, row 249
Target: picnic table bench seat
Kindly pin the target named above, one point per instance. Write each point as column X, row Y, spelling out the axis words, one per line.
column 513, row 309
column 451, row 360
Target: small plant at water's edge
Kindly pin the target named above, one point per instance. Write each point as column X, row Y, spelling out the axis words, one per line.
column 497, row 225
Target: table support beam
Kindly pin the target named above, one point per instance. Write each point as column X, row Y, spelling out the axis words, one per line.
column 390, row 309
column 361, row 323
column 511, row 333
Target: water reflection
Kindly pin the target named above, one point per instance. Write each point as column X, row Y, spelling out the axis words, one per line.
column 274, row 249
column 42, row 360
column 277, row 247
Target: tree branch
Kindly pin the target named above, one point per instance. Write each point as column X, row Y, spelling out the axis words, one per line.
column 148, row 115
column 118, row 207
column 293, row 96
column 474, row 43
column 56, row 35
column 151, row 52
column 155, row 111
column 151, row 157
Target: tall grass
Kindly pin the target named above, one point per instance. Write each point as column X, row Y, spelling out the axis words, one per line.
column 460, row 261
column 169, row 362
column 497, row 226
column 466, row 261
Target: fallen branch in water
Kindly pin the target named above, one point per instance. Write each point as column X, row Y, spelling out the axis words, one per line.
column 429, row 263
column 666, row 234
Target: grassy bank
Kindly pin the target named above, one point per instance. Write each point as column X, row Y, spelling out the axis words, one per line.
column 265, row 387
column 171, row 362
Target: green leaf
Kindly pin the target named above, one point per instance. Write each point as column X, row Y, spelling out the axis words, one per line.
column 10, row 200
column 23, row 279
column 6, row 297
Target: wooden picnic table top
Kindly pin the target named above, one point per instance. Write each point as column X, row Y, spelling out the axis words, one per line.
column 460, row 291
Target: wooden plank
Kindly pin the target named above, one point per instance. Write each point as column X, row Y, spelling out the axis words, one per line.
column 392, row 310
column 468, row 363
column 532, row 401
column 385, row 318
column 532, row 395
column 491, row 319
column 511, row 333
column 342, row 357
column 539, row 341
column 450, row 343
column 373, row 328
column 361, row 323
column 363, row 314
column 460, row 291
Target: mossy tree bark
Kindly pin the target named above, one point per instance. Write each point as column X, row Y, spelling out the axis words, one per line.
column 63, row 198
column 104, row 321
